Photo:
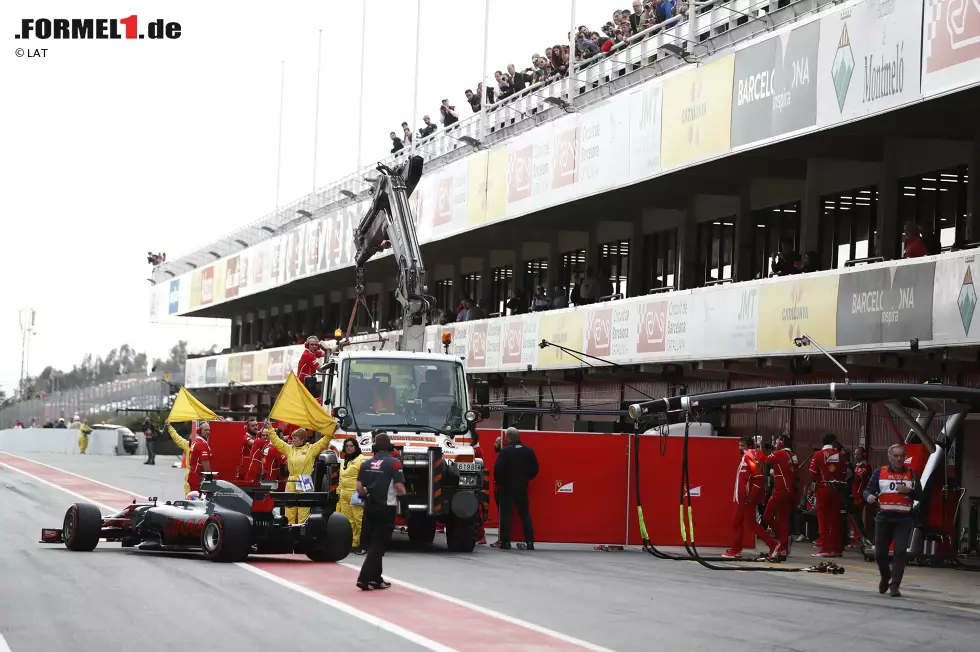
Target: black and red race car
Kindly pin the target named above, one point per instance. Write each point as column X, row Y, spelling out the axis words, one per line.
column 231, row 522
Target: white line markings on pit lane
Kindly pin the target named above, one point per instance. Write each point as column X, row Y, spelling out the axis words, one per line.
column 357, row 613
column 571, row 640
column 104, row 508
column 382, row 624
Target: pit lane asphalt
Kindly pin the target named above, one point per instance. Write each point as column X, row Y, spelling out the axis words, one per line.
column 622, row 600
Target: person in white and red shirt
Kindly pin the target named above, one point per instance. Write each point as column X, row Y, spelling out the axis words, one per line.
column 780, row 506
column 750, row 492
column 827, row 468
column 309, row 362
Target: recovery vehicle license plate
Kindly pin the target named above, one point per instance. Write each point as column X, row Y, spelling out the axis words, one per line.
column 466, row 466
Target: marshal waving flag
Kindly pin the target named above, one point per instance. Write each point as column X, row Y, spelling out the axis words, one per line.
column 296, row 406
column 188, row 408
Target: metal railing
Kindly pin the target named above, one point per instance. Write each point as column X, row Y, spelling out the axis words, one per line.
column 130, row 392
column 714, row 26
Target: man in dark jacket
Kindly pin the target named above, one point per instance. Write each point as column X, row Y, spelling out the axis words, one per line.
column 895, row 488
column 515, row 467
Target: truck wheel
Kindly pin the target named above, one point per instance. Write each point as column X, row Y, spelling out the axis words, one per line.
column 82, row 527
column 226, row 537
column 336, row 543
column 461, row 535
column 421, row 529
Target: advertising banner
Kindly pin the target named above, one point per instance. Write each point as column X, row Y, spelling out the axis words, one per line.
column 603, row 142
column 775, row 86
column 733, row 314
column 476, row 208
column 869, row 59
column 954, row 304
column 697, row 113
column 790, row 308
column 646, row 119
column 497, row 173
column 891, row 304
column 950, row 45
column 564, row 328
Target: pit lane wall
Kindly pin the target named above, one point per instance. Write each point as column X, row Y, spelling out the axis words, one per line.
column 58, row 440
column 872, row 307
column 842, row 64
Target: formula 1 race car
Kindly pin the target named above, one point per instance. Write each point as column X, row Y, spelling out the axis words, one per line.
column 227, row 525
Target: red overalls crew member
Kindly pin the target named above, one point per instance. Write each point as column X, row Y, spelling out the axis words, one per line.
column 828, row 466
column 478, row 455
column 750, row 491
column 199, row 458
column 248, row 446
column 309, row 362
column 266, row 461
column 779, row 509
column 862, row 475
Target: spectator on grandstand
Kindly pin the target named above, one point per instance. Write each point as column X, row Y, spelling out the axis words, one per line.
column 474, row 100
column 786, row 261
column 811, row 262
column 490, row 93
column 542, row 69
column 396, row 143
column 503, row 85
column 589, row 289
column 914, row 245
column 428, row 129
column 584, row 47
column 518, row 80
column 665, row 10
column 155, row 259
column 448, row 113
column 559, row 298
column 517, row 304
column 637, row 17
column 475, row 311
column 407, row 133
column 559, row 63
column 540, row 301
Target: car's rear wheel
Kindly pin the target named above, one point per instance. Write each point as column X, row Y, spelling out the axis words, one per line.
column 82, row 527
column 335, row 542
column 461, row 535
column 226, row 537
column 421, row 529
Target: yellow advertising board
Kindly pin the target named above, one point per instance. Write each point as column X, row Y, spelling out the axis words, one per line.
column 476, row 196
column 196, row 288
column 790, row 308
column 564, row 328
column 697, row 113
column 497, row 184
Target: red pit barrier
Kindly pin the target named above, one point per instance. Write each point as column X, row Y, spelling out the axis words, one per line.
column 600, row 502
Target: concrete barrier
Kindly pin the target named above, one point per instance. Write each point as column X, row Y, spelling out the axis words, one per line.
column 58, row 440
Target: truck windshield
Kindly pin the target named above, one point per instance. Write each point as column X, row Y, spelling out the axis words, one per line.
column 397, row 392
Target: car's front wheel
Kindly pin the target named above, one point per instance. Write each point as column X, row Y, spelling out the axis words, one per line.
column 82, row 527
column 226, row 537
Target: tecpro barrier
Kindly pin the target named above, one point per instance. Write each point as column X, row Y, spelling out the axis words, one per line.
column 59, row 440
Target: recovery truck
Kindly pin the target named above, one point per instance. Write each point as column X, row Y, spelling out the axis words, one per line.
column 419, row 398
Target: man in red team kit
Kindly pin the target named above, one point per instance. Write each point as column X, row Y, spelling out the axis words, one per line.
column 862, row 475
column 251, row 432
column 199, row 457
column 750, row 491
column 779, row 509
column 309, row 362
column 827, row 466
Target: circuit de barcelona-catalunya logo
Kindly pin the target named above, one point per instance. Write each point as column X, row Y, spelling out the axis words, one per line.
column 843, row 67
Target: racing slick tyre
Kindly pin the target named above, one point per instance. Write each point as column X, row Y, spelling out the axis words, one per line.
column 461, row 535
column 335, row 543
column 82, row 527
column 226, row 537
column 421, row 529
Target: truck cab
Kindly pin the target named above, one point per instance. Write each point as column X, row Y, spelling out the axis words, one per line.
column 421, row 401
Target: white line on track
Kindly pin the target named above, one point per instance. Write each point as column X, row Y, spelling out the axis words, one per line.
column 340, row 606
column 571, row 640
column 347, row 609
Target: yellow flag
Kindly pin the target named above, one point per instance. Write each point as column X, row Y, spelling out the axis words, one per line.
column 188, row 408
column 295, row 405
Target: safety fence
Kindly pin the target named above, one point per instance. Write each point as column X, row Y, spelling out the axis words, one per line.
column 62, row 440
column 130, row 393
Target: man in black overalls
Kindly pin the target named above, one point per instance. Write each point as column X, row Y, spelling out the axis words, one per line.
column 379, row 483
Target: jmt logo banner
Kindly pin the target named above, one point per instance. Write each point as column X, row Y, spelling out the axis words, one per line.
column 885, row 305
column 869, row 59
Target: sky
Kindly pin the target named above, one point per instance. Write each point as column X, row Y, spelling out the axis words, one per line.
column 112, row 148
